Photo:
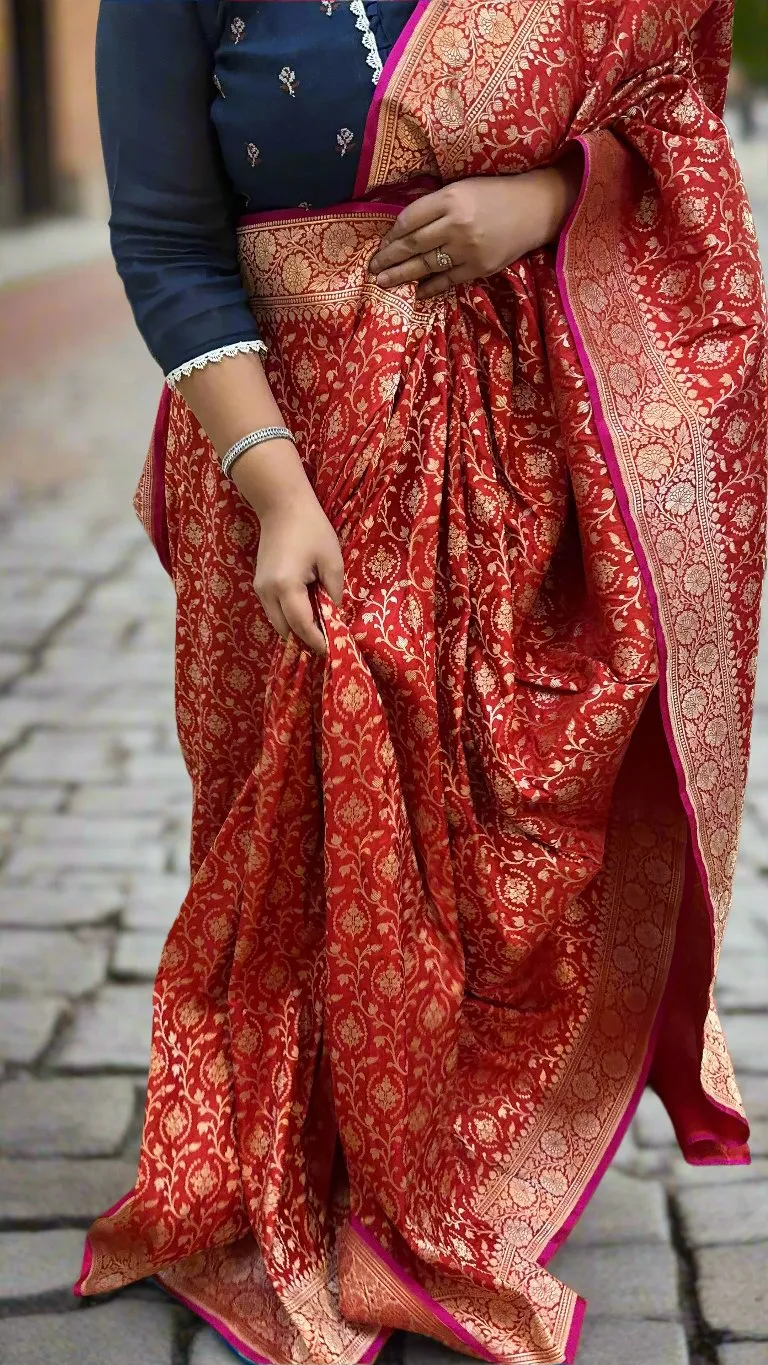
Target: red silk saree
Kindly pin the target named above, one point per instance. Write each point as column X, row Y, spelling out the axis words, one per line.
column 459, row 889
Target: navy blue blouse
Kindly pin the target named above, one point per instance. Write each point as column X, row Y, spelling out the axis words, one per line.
column 210, row 109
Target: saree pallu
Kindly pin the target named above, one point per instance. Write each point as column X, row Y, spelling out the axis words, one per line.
column 459, row 888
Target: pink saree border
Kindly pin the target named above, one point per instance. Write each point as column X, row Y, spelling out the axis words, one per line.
column 441, row 1314
column 385, row 80
column 387, row 200
column 609, row 452
column 158, row 509
column 87, row 1261
column 218, row 1325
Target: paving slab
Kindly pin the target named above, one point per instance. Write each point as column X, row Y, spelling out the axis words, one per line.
column 11, row 665
column 754, row 1093
column 725, row 1214
column 154, row 902
column 27, row 1027
column 684, row 1176
column 53, row 757
column 733, row 1289
column 112, row 1032
column 747, row 1038
column 743, row 1353
column 119, row 1333
column 71, row 902
column 741, row 981
column 209, row 1349
column 33, row 1263
column 633, row 1343
column 624, row 1210
column 30, row 858
column 622, row 1281
column 79, row 1116
column 137, row 955
column 652, row 1125
column 28, row 797
column 37, row 962
column 56, row 1191
column 126, row 799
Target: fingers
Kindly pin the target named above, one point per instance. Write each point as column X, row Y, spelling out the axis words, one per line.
column 446, row 280
column 289, row 609
column 427, row 209
column 297, row 609
column 418, row 268
column 330, row 572
column 417, row 243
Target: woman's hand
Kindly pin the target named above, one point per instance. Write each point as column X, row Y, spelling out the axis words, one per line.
column 481, row 224
column 297, row 546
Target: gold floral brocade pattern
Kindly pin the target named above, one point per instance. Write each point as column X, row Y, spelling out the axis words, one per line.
column 411, row 995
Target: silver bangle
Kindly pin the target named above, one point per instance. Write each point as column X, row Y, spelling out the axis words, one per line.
column 256, row 438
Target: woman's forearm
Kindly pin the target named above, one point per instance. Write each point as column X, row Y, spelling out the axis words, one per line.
column 231, row 399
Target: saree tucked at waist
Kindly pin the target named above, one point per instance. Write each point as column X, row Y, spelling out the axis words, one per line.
column 458, row 890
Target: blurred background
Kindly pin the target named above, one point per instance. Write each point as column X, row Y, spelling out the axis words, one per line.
column 94, row 798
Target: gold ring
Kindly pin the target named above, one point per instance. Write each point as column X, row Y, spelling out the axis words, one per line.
column 444, row 261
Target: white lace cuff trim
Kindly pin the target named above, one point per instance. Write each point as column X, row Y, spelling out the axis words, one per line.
column 357, row 8
column 213, row 358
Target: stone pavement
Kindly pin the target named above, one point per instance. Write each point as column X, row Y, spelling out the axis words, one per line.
column 94, row 809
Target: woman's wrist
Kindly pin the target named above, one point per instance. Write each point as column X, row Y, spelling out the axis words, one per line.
column 563, row 183
column 271, row 477
column 232, row 400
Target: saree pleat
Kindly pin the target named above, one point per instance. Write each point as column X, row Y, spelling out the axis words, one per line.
column 453, row 886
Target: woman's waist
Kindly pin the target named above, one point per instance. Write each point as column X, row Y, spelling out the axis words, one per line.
column 293, row 254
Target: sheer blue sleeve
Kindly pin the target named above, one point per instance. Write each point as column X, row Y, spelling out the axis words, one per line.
column 172, row 207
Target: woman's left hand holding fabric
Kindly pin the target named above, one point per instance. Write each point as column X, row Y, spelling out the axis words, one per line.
column 482, row 224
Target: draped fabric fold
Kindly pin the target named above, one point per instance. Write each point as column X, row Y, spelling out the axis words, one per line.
column 458, row 889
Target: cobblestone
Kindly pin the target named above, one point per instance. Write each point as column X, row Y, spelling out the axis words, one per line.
column 209, row 1349
column 726, row 1214
column 55, row 1190
column 623, row 1210
column 622, row 1281
column 634, row 1343
column 33, row 1263
column 741, row 981
column 743, row 1353
column 51, row 756
column 747, row 1036
column 29, row 798
column 155, row 902
column 41, row 963
column 733, row 1289
column 652, row 1125
column 71, row 902
column 81, row 1116
column 110, row 1033
column 26, row 1028
column 137, row 956
column 117, row 1334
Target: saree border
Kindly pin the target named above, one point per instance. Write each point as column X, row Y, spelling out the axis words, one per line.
column 375, row 124
column 713, row 872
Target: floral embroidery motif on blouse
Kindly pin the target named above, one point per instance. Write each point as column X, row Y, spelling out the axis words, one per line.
column 219, row 87
column 237, row 29
column 289, row 82
column 254, row 154
column 345, row 139
column 329, row 7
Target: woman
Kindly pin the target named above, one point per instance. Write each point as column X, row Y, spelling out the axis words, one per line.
column 468, row 763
